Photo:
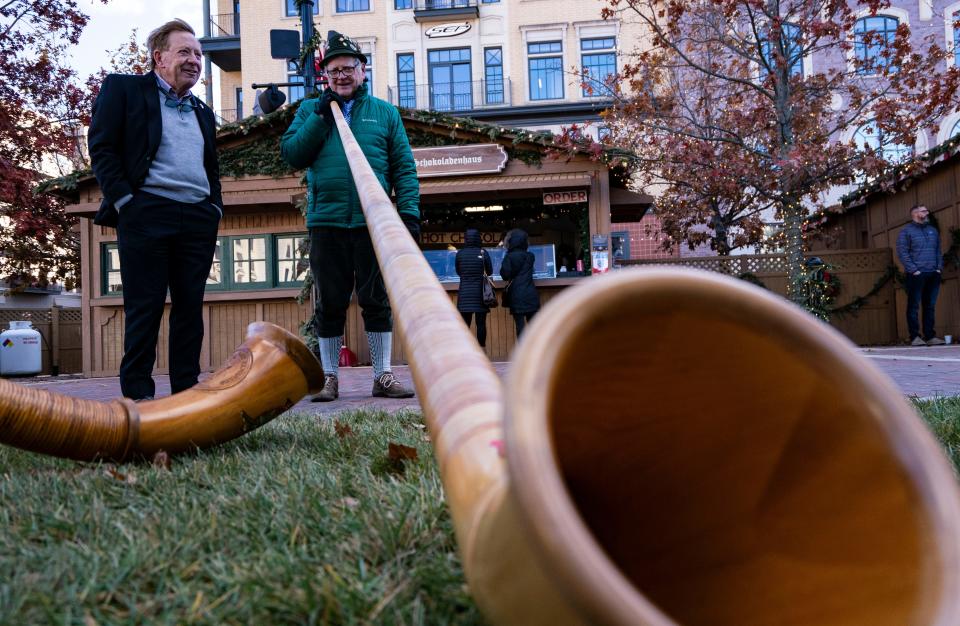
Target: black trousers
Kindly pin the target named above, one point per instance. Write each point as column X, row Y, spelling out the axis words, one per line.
column 521, row 319
column 481, row 325
column 922, row 292
column 342, row 259
column 163, row 244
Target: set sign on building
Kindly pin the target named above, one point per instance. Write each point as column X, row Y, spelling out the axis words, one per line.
column 447, row 30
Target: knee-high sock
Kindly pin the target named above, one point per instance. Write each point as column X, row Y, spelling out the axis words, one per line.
column 381, row 347
column 330, row 354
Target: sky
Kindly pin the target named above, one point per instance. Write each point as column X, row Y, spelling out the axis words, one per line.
column 110, row 25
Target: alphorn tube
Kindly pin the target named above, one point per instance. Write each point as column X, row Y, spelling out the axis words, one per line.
column 681, row 447
column 265, row 376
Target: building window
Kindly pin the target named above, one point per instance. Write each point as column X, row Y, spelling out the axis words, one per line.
column 406, row 81
column 545, row 63
column 293, row 76
column 871, row 137
column 620, row 245
column 239, row 100
column 873, row 42
column 953, row 17
column 248, row 257
column 491, row 1
column 351, row 6
column 215, row 277
column 112, row 285
column 399, row 5
column 599, row 61
column 292, row 262
column 292, row 8
column 955, row 130
column 603, row 133
column 450, row 86
column 368, row 72
column 790, row 37
column 493, row 75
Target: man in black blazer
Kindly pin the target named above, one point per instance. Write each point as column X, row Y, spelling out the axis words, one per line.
column 153, row 151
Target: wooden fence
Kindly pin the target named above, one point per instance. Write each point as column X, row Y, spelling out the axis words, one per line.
column 60, row 329
column 875, row 323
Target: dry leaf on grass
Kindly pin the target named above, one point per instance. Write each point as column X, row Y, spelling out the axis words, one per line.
column 400, row 452
column 342, row 429
column 161, row 459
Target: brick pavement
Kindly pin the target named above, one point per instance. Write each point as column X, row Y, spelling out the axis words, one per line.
column 923, row 372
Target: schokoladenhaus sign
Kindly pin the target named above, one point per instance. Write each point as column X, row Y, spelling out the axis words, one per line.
column 481, row 158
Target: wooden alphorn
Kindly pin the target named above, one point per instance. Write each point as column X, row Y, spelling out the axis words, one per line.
column 681, row 448
column 265, row 376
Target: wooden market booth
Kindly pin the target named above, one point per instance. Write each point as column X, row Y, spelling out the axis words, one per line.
column 873, row 217
column 462, row 164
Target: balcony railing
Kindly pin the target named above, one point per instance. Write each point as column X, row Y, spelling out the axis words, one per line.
column 225, row 25
column 452, row 97
column 432, row 10
column 439, row 5
column 227, row 116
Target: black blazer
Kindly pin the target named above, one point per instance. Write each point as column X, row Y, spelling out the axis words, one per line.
column 125, row 134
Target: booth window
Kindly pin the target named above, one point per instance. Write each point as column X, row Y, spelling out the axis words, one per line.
column 292, row 8
column 493, row 75
column 599, row 60
column 239, row 263
column 352, row 6
column 291, row 261
column 545, row 63
column 110, row 268
column 406, row 81
column 215, row 277
column 248, row 257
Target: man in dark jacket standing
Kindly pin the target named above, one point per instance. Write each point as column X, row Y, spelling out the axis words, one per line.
column 341, row 253
column 517, row 267
column 918, row 248
column 153, row 151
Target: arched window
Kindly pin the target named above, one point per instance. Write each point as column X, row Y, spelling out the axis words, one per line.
column 788, row 44
column 869, row 136
column 955, row 130
column 872, row 35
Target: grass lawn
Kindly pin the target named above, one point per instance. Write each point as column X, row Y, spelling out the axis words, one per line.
column 301, row 522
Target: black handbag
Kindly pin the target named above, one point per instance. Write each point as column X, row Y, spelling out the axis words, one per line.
column 489, row 295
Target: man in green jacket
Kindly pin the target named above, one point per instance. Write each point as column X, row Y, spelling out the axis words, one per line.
column 341, row 254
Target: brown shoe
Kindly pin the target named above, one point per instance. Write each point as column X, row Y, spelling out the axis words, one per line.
column 330, row 391
column 387, row 386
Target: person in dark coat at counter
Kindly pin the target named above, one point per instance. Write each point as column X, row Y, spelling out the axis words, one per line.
column 472, row 263
column 517, row 267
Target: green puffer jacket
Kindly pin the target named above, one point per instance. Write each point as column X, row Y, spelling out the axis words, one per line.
column 332, row 198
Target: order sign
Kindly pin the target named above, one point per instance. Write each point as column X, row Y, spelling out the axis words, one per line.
column 564, row 197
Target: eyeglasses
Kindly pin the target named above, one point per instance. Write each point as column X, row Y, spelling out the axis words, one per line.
column 342, row 71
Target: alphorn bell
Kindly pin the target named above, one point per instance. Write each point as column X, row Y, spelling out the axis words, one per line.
column 680, row 448
column 264, row 377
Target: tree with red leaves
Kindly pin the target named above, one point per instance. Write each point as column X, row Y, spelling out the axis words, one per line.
column 44, row 110
column 733, row 109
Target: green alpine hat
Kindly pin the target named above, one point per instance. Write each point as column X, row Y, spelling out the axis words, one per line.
column 340, row 45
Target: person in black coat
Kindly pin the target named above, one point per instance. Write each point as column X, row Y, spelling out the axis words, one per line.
column 153, row 151
column 472, row 263
column 517, row 268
